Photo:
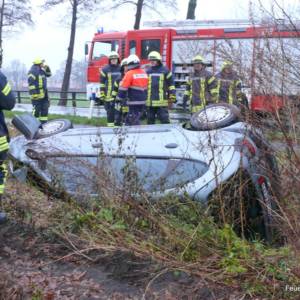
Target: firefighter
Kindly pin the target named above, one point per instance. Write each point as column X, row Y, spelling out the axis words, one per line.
column 229, row 85
column 201, row 89
column 7, row 102
column 133, row 89
column 161, row 90
column 108, row 76
column 121, row 109
column 37, row 84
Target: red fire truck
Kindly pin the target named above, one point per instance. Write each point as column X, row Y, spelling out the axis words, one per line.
column 265, row 55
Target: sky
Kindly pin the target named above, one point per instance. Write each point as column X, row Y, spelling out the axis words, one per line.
column 49, row 38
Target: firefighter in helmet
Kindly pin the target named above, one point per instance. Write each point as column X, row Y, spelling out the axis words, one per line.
column 7, row 102
column 161, row 90
column 108, row 76
column 229, row 85
column 121, row 109
column 133, row 90
column 201, row 89
column 37, row 84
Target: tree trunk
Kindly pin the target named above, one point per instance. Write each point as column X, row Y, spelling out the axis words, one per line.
column 191, row 9
column 138, row 15
column 66, row 80
column 1, row 29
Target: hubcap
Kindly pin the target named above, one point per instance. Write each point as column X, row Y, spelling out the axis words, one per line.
column 51, row 127
column 214, row 114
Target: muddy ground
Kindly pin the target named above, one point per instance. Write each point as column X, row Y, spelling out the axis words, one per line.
column 34, row 267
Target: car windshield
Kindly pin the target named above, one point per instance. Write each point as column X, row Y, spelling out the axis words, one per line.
column 89, row 174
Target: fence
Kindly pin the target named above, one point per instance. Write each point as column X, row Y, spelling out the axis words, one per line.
column 76, row 98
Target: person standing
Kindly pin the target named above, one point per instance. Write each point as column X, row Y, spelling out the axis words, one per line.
column 161, row 90
column 133, row 90
column 108, row 76
column 37, row 84
column 7, row 102
column 121, row 109
column 229, row 85
column 201, row 88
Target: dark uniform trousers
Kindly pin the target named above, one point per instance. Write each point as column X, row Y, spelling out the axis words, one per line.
column 7, row 102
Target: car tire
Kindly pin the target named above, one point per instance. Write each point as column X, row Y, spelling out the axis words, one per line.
column 53, row 127
column 215, row 116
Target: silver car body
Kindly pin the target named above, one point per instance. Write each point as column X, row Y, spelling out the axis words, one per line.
column 171, row 158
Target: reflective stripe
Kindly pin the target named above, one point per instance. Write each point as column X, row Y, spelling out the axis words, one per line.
column 211, row 80
column 109, row 86
column 32, row 87
column 161, row 87
column 123, row 88
column 102, row 85
column 1, row 189
column 149, row 91
column 171, row 87
column 138, row 88
column 31, row 75
column 40, row 82
column 202, row 91
column 6, row 89
column 110, row 124
column 169, row 75
column 197, row 108
column 136, row 102
column 43, row 118
column 103, row 74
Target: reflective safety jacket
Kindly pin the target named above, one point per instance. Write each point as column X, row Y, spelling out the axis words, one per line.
column 229, row 88
column 37, row 81
column 201, row 89
column 160, row 86
column 119, row 106
column 108, row 76
column 7, row 102
column 134, row 87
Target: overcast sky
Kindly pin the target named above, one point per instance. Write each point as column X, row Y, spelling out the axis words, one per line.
column 49, row 39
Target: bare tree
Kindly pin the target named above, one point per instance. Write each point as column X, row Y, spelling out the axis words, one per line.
column 152, row 5
column 76, row 5
column 78, row 75
column 17, row 74
column 191, row 9
column 13, row 13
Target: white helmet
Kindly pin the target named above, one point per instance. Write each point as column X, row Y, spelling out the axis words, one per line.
column 133, row 60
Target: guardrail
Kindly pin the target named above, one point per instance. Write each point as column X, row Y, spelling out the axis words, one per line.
column 74, row 97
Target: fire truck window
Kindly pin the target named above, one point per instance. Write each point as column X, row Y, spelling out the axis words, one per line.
column 104, row 48
column 148, row 46
column 132, row 47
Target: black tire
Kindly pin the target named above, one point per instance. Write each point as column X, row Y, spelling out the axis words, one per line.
column 215, row 116
column 53, row 127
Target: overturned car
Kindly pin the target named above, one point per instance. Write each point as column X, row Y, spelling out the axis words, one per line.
column 215, row 159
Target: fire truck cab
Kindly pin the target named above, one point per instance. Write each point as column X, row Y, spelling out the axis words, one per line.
column 254, row 49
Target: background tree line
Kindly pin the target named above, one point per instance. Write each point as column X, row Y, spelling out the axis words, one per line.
column 16, row 13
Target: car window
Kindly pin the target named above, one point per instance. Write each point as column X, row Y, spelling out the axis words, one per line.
column 148, row 46
column 132, row 47
column 89, row 174
column 154, row 173
column 103, row 48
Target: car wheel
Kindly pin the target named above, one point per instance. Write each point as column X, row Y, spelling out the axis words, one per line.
column 53, row 127
column 215, row 116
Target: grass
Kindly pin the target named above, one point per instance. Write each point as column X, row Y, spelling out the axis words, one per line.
column 101, row 121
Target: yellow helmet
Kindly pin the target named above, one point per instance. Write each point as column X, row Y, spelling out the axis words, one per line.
column 154, row 55
column 198, row 59
column 113, row 54
column 124, row 62
column 38, row 61
column 227, row 64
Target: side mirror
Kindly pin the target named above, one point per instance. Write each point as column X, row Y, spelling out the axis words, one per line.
column 86, row 49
